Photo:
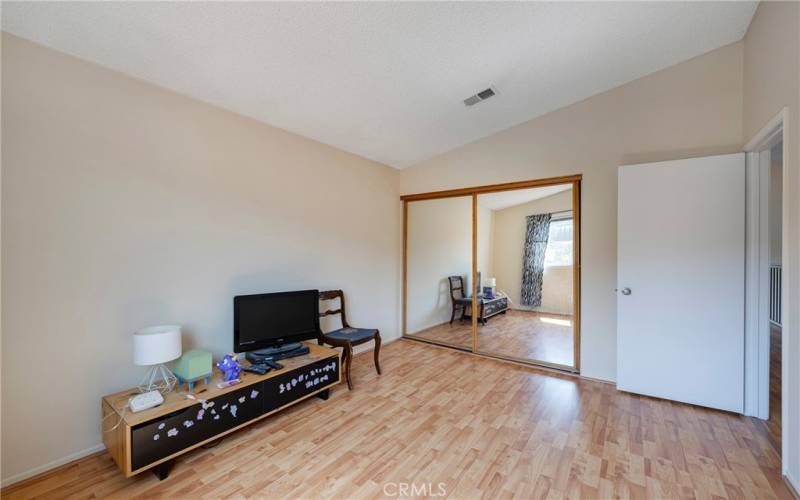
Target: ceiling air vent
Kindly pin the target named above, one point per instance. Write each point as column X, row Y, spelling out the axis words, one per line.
column 480, row 96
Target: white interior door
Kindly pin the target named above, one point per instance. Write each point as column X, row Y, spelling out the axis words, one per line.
column 680, row 278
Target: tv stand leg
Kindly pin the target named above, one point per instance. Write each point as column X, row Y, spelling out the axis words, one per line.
column 323, row 395
column 162, row 470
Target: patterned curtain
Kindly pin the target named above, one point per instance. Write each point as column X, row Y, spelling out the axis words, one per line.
column 533, row 259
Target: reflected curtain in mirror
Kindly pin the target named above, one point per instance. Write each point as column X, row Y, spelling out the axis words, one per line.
column 533, row 259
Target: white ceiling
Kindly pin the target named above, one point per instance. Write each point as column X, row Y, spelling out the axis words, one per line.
column 384, row 80
column 506, row 199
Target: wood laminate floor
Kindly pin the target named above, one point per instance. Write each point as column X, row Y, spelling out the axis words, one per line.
column 774, row 423
column 518, row 334
column 483, row 428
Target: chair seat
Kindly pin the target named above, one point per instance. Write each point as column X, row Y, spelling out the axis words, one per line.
column 352, row 334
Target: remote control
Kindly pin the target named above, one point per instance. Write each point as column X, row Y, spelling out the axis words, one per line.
column 228, row 383
column 257, row 369
column 272, row 364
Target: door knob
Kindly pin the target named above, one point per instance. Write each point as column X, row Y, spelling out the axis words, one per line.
column 626, row 291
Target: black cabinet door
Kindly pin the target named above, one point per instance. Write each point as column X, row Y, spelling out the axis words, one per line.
column 290, row 386
column 172, row 433
column 495, row 306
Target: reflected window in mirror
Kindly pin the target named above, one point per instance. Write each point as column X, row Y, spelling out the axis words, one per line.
column 559, row 243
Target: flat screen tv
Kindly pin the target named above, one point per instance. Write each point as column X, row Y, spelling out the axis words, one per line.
column 274, row 319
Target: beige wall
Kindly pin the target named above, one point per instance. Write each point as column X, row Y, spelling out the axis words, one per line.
column 125, row 205
column 772, row 82
column 439, row 244
column 508, row 243
column 691, row 109
column 486, row 246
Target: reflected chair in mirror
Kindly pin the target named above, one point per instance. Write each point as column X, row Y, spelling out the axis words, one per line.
column 347, row 336
column 458, row 297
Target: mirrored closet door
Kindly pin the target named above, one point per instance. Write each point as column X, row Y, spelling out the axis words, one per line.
column 525, row 258
column 439, row 271
column 495, row 270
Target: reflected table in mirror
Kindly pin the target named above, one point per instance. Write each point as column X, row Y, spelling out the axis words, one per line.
column 487, row 307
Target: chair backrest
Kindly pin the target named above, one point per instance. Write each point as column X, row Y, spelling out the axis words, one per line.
column 333, row 295
column 456, row 287
column 457, row 290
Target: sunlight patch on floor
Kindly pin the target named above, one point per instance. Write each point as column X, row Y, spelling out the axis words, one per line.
column 555, row 321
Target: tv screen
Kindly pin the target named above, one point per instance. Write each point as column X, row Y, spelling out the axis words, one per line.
column 272, row 319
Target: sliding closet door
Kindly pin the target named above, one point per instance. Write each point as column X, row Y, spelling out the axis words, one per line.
column 525, row 259
column 496, row 270
column 439, row 271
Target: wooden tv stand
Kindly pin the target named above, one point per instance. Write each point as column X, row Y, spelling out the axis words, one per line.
column 153, row 438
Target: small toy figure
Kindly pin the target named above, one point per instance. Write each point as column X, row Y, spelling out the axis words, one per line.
column 229, row 367
column 193, row 366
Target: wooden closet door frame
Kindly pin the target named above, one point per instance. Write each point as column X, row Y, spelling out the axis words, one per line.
column 473, row 192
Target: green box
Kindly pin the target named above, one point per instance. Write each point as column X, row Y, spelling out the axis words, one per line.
column 192, row 366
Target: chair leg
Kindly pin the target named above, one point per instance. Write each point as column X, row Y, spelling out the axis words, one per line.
column 377, row 352
column 348, row 353
column 344, row 361
column 453, row 314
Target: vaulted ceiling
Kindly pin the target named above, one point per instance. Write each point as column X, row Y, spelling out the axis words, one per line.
column 384, row 80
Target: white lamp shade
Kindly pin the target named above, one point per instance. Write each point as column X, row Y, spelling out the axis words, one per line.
column 490, row 282
column 156, row 345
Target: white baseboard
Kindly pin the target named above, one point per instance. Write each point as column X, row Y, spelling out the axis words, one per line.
column 540, row 311
column 429, row 326
column 793, row 485
column 51, row 465
column 370, row 346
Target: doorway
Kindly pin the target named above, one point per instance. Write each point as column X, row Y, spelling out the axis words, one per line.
column 775, row 304
column 767, row 292
column 495, row 270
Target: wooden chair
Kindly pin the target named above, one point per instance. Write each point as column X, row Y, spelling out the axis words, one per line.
column 459, row 298
column 346, row 337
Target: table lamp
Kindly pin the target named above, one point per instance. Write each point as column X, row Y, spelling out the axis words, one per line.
column 153, row 347
column 489, row 287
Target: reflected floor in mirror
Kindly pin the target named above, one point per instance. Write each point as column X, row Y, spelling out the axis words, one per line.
column 518, row 334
